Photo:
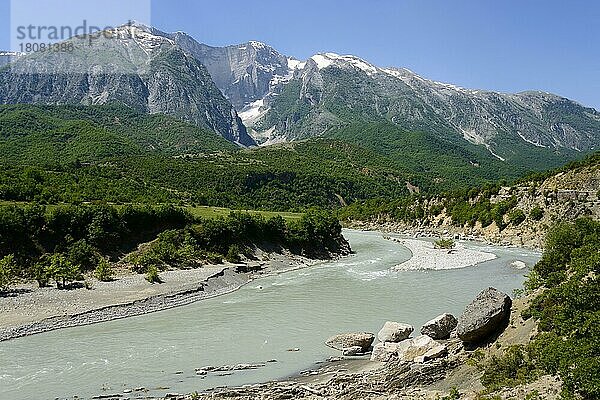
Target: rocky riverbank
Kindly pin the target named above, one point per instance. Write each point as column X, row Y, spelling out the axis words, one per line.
column 30, row 310
column 490, row 235
column 412, row 368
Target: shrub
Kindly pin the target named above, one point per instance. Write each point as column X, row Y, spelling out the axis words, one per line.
column 454, row 394
column 61, row 270
column 152, row 275
column 444, row 244
column 40, row 273
column 212, row 258
column 536, row 213
column 104, row 271
column 516, row 216
column 7, row 272
column 511, row 368
column 83, row 255
column 233, row 254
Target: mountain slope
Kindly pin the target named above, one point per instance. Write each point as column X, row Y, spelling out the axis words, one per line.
column 54, row 135
column 332, row 92
column 281, row 99
column 7, row 57
column 245, row 73
column 127, row 65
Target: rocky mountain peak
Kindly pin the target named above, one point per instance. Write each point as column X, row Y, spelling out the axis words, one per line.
column 133, row 64
column 324, row 60
column 245, row 72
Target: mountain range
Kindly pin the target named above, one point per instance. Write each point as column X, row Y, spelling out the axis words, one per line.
column 289, row 100
column 127, row 65
column 252, row 94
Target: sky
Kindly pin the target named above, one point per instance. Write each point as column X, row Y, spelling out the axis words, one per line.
column 507, row 46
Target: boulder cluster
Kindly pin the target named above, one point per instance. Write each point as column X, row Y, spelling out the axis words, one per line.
column 483, row 318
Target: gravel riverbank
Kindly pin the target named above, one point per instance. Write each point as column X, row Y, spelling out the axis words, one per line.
column 426, row 256
column 30, row 310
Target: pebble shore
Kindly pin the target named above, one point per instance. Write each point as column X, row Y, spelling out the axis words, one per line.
column 30, row 310
column 426, row 256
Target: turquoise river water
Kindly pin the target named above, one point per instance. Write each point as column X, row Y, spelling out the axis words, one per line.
column 260, row 322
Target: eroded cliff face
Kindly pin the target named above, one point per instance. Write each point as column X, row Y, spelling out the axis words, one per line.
column 244, row 72
column 564, row 196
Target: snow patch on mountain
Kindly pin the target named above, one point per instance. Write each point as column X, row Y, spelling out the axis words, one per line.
column 258, row 45
column 252, row 111
column 322, row 61
column 325, row 60
column 295, row 64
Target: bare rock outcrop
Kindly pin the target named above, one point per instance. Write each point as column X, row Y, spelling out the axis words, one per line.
column 364, row 340
column 440, row 327
column 394, row 332
column 485, row 316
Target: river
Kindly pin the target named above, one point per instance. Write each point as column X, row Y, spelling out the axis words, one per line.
column 260, row 322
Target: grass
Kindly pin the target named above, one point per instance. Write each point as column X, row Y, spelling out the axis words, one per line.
column 215, row 212
column 198, row 211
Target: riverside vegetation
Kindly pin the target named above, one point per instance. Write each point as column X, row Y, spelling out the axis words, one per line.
column 526, row 208
column 62, row 243
column 565, row 305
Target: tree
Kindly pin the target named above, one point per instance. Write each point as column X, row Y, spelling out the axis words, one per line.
column 62, row 270
column 7, row 272
column 83, row 255
column 40, row 272
column 104, row 271
column 152, row 275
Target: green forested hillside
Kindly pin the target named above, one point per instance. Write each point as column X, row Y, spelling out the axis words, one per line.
column 446, row 164
column 55, row 135
column 469, row 205
column 53, row 154
column 319, row 173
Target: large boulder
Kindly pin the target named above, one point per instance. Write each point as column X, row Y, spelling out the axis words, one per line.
column 410, row 350
column 394, row 332
column 352, row 351
column 364, row 340
column 440, row 327
column 486, row 315
column 385, row 351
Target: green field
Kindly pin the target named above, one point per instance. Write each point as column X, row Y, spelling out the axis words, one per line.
column 215, row 212
column 199, row 211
